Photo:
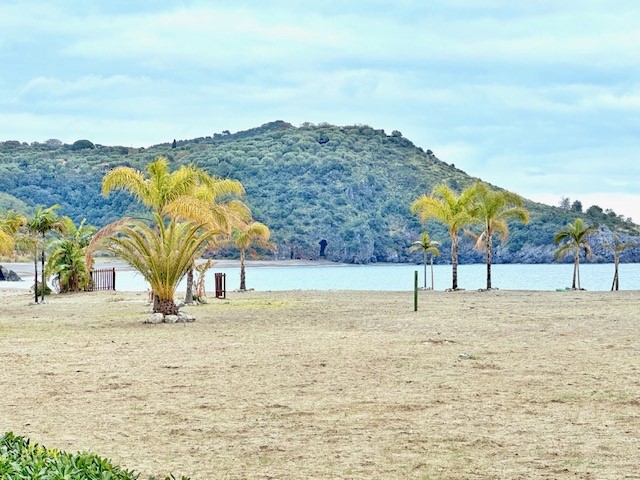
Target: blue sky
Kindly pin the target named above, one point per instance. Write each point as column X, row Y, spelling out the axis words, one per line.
column 540, row 97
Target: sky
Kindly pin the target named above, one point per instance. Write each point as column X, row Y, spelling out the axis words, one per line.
column 540, row 97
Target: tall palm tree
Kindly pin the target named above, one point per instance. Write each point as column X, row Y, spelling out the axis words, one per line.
column 575, row 237
column 617, row 247
column 452, row 210
column 158, row 187
column 492, row 209
column 43, row 221
column 252, row 234
column 67, row 262
column 162, row 252
column 10, row 224
column 214, row 205
column 426, row 246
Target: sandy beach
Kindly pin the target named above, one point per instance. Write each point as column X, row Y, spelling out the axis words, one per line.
column 288, row 385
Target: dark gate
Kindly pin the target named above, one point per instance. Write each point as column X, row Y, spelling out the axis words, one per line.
column 221, row 285
column 104, row 279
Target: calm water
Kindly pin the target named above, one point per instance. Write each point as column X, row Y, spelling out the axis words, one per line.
column 389, row 277
column 400, row 277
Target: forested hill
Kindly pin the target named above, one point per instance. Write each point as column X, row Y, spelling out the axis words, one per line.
column 351, row 186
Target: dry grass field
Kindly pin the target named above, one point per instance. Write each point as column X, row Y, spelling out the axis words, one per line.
column 333, row 385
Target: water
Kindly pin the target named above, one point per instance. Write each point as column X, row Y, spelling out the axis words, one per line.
column 272, row 276
column 400, row 277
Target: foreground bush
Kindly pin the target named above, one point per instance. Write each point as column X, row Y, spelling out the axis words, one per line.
column 22, row 460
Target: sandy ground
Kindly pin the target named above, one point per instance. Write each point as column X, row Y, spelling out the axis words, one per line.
column 475, row 385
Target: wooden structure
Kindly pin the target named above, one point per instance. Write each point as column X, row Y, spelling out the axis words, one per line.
column 221, row 285
column 104, row 279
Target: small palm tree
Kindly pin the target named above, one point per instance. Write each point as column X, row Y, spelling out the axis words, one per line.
column 186, row 193
column 617, row 247
column 576, row 238
column 44, row 220
column 492, row 209
column 10, row 224
column 252, row 234
column 451, row 210
column 161, row 253
column 426, row 246
column 67, row 262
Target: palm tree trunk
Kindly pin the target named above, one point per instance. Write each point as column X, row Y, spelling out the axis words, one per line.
column 44, row 283
column 188, row 297
column 454, row 261
column 35, row 268
column 575, row 269
column 432, row 273
column 243, row 286
column 488, row 259
column 615, row 274
column 424, row 255
column 578, row 270
column 166, row 307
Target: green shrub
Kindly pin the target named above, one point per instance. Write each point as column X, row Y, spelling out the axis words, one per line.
column 22, row 460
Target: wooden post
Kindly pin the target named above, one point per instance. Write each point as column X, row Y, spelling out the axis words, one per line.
column 415, row 292
column 113, row 285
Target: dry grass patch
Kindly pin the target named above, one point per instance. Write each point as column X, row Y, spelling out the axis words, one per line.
column 492, row 385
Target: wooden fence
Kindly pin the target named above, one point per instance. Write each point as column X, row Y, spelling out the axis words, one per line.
column 104, row 279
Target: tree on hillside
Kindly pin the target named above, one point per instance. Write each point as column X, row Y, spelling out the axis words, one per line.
column 245, row 238
column 427, row 247
column 576, row 238
column 43, row 221
column 67, row 262
column 451, row 210
column 576, row 206
column 617, row 248
column 10, row 223
column 493, row 209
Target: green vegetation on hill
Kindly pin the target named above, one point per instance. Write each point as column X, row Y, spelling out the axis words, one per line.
column 9, row 202
column 351, row 186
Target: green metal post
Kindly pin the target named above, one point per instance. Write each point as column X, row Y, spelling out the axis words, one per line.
column 415, row 292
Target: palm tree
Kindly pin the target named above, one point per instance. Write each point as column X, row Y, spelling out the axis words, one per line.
column 448, row 208
column 617, row 247
column 188, row 193
column 162, row 253
column 10, row 224
column 254, row 233
column 426, row 246
column 492, row 209
column 576, row 238
column 213, row 204
column 43, row 221
column 159, row 187
column 67, row 261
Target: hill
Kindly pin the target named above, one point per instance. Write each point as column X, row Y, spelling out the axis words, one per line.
column 350, row 186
